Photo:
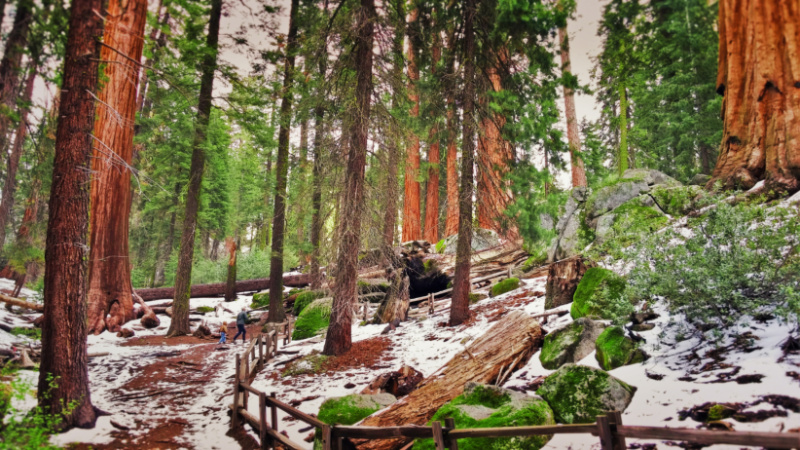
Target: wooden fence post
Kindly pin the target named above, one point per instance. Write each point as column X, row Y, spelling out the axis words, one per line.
column 274, row 411
column 430, row 305
column 261, row 361
column 262, row 421
column 235, row 415
column 450, row 423
column 508, row 274
column 438, row 435
column 604, row 431
column 365, row 311
column 326, row 437
column 618, row 441
column 275, row 344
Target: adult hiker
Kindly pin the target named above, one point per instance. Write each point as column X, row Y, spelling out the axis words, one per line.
column 241, row 319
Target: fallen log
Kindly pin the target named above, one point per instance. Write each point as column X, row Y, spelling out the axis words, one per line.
column 21, row 303
column 218, row 289
column 506, row 346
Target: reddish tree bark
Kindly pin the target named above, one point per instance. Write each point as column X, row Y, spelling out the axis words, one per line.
column 494, row 156
column 412, row 221
column 64, row 370
column 339, row 338
column 392, row 147
column 759, row 77
column 432, row 188
column 573, row 136
column 183, row 276
column 10, row 184
column 276, row 311
column 230, row 285
column 451, row 221
column 459, row 309
column 11, row 66
column 110, row 290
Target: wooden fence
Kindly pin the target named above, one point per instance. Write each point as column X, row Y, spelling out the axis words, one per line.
column 608, row 428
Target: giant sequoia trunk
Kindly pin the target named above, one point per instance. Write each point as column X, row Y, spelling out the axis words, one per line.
column 183, row 276
column 573, row 136
column 339, row 339
column 11, row 66
column 459, row 309
column 392, row 142
column 64, row 371
column 759, row 77
column 276, row 312
column 110, row 289
column 451, row 217
column 432, row 189
column 494, row 156
column 412, row 224
column 10, row 185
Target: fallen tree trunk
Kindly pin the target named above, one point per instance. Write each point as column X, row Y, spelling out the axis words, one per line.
column 218, row 289
column 506, row 346
column 21, row 303
column 149, row 319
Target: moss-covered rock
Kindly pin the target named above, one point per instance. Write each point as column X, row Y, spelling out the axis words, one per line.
column 614, row 349
column 370, row 286
column 501, row 287
column 578, row 394
column 482, row 406
column 570, row 344
column 352, row 408
column 676, row 200
column 304, row 299
column 260, row 299
column 719, row 412
column 313, row 320
column 599, row 294
column 475, row 297
column 611, row 197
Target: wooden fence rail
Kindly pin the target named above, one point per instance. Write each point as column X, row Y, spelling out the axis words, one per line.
column 608, row 428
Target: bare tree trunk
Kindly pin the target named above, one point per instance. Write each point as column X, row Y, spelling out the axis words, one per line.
column 339, row 340
column 395, row 133
column 759, row 77
column 64, row 370
column 110, row 290
column 276, row 312
column 316, row 196
column 573, row 136
column 183, row 276
column 432, row 187
column 622, row 162
column 11, row 66
column 155, row 36
column 230, row 286
column 411, row 200
column 10, row 185
column 451, row 222
column 459, row 309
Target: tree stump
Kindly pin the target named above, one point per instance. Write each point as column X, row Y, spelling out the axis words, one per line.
column 562, row 280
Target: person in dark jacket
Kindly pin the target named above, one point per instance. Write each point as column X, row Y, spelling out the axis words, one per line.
column 241, row 320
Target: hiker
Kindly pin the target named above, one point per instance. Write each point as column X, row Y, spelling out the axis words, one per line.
column 223, row 330
column 241, row 319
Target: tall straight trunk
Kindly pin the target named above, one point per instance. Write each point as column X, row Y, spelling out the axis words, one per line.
column 494, row 158
column 10, row 184
column 759, row 78
column 2, row 10
column 573, row 135
column 110, row 290
column 622, row 162
column 316, row 195
column 183, row 275
column 432, row 189
column 153, row 37
column 451, row 221
column 392, row 141
column 412, row 224
column 64, row 370
column 230, row 285
column 11, row 66
column 276, row 312
column 300, row 206
column 339, row 339
column 459, row 309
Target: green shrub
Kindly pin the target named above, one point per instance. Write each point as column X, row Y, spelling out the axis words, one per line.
column 739, row 261
column 509, row 284
column 33, row 333
column 534, row 261
column 204, row 309
column 440, row 246
column 260, row 300
column 600, row 293
column 26, row 430
column 305, row 299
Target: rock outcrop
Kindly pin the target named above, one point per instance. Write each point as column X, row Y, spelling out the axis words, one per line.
column 614, row 349
column 599, row 295
column 570, row 344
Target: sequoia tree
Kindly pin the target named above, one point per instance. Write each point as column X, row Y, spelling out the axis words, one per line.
column 759, row 78
column 11, row 65
column 110, row 290
column 431, row 231
column 412, row 225
column 276, row 312
column 64, row 370
column 339, row 338
column 183, row 276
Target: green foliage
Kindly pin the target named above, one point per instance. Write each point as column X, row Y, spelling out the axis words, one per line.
column 313, row 320
column 614, row 349
column 33, row 333
column 29, row 430
column 531, row 203
column 600, row 294
column 205, row 309
column 346, row 410
column 440, row 246
column 365, row 287
column 501, row 287
column 260, row 300
column 632, row 221
column 304, row 299
column 738, row 261
column 720, row 412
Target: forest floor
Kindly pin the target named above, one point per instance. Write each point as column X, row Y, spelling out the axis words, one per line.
column 174, row 393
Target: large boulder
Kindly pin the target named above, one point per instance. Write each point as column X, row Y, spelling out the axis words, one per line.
column 578, row 394
column 651, row 177
column 614, row 349
column 677, row 200
column 612, row 197
column 567, row 239
column 501, row 287
column 482, row 239
column 700, row 179
column 570, row 344
column 599, row 294
column 562, row 280
column 314, row 319
column 352, row 408
column 482, row 406
column 304, row 299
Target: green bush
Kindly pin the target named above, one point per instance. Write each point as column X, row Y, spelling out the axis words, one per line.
column 204, row 309
column 23, row 430
column 600, row 293
column 33, row 333
column 739, row 261
column 509, row 284
column 440, row 246
column 304, row 299
column 260, row 300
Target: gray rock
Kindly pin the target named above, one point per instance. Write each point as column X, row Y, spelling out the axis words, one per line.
column 611, row 197
column 570, row 344
column 546, row 221
column 651, row 177
column 642, row 327
column 700, row 179
column 481, row 240
column 566, row 242
column 604, row 229
column 477, row 412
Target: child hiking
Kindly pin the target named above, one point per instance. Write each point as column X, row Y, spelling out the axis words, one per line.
column 223, row 330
